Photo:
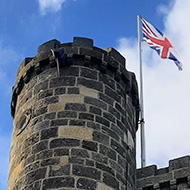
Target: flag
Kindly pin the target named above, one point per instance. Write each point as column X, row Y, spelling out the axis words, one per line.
column 60, row 56
column 157, row 41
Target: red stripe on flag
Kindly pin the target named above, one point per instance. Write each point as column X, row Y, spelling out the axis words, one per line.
column 148, row 27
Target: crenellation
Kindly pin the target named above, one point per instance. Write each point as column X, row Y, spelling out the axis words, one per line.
column 43, row 59
column 176, row 176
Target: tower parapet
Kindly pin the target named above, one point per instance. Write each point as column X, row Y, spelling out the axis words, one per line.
column 75, row 118
column 175, row 176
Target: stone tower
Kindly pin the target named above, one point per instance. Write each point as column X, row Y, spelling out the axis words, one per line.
column 75, row 111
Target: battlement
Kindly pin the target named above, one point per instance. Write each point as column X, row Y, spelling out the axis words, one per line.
column 80, row 52
column 175, row 176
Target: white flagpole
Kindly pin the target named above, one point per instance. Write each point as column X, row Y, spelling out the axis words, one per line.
column 142, row 130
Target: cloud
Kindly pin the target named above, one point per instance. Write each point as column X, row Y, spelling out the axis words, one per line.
column 166, row 90
column 52, row 6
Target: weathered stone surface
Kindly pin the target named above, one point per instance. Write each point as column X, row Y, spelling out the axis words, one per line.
column 58, row 182
column 86, row 172
column 81, row 132
column 63, row 142
column 75, row 132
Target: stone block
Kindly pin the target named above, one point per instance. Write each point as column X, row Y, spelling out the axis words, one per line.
column 89, row 83
column 45, row 93
column 50, row 161
column 89, row 73
column 51, row 100
column 76, row 160
column 62, row 81
column 84, row 183
column 86, row 116
column 79, row 153
column 75, row 107
column 99, row 158
column 109, row 117
column 42, row 145
column 41, row 86
column 89, row 162
column 90, row 145
column 59, row 122
column 64, row 142
column 48, row 45
column 44, row 154
column 86, row 172
column 117, row 147
column 48, row 133
column 57, row 170
column 147, row 171
column 102, row 121
column 73, row 90
column 95, row 102
column 116, row 55
column 179, row 163
column 49, row 116
column 68, row 98
column 35, row 175
column 59, row 91
column 64, row 160
column 83, row 42
column 88, row 91
column 112, row 94
column 110, row 133
column 58, row 182
column 105, row 168
column 110, row 181
column 75, row 132
column 69, row 71
column 107, row 80
column 93, row 125
column 107, row 152
column 61, row 152
column 114, row 112
column 77, row 122
column 116, row 166
column 101, row 138
column 67, row 114
column 106, row 99
column 95, row 110
column 102, row 186
column 56, row 107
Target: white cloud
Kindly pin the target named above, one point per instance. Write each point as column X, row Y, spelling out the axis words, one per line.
column 166, row 90
column 50, row 6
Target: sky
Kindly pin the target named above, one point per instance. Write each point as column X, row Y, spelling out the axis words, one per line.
column 27, row 24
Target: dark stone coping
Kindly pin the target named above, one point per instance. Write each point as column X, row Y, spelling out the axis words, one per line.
column 178, row 171
column 108, row 59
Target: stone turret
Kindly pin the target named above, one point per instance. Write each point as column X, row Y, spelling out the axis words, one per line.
column 75, row 110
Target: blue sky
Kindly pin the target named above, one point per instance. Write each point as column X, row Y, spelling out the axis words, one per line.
column 27, row 24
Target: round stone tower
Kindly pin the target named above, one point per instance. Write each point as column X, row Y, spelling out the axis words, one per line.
column 75, row 111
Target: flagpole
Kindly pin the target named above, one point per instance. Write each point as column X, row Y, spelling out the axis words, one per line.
column 142, row 130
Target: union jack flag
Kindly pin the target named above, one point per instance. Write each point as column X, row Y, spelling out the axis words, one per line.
column 157, row 41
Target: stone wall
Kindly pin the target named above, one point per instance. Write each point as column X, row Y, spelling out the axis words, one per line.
column 74, row 120
column 176, row 176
